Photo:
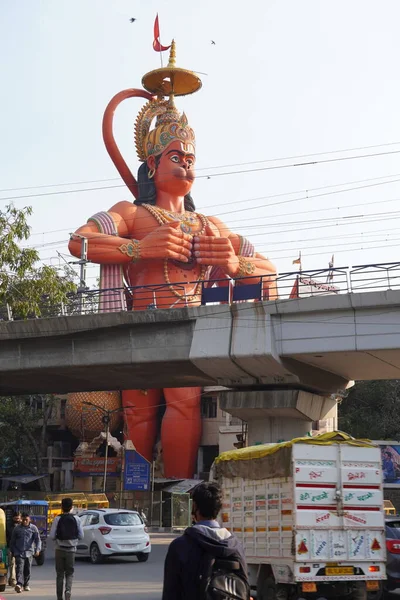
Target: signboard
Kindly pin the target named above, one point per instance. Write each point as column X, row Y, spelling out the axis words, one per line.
column 137, row 472
column 94, row 466
column 305, row 286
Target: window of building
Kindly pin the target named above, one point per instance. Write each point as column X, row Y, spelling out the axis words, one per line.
column 210, row 453
column 209, row 407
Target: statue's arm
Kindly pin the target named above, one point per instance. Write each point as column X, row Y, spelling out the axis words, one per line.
column 234, row 255
column 167, row 241
column 106, row 248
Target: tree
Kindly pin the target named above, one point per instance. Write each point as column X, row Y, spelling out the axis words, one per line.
column 23, row 434
column 372, row 410
column 25, row 288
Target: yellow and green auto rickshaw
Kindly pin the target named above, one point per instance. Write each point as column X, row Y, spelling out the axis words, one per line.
column 3, row 552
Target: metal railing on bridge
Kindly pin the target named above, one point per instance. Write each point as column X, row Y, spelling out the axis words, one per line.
column 295, row 284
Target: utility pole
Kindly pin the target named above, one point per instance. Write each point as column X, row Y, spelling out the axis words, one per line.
column 82, row 273
column 106, row 420
column 82, row 262
column 121, row 484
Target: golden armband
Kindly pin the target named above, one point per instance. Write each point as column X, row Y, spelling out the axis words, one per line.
column 246, row 267
column 131, row 249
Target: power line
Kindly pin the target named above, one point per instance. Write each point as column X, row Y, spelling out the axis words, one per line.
column 245, row 200
column 252, row 162
column 238, row 172
column 137, row 218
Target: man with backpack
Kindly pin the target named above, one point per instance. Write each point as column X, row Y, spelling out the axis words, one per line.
column 66, row 531
column 206, row 562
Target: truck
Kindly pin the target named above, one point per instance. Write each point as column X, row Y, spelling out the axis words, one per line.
column 309, row 513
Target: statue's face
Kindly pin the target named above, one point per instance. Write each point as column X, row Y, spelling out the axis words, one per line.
column 175, row 171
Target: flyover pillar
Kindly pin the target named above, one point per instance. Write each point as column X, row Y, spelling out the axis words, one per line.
column 277, row 415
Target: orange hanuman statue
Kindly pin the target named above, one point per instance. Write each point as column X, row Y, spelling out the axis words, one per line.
column 160, row 241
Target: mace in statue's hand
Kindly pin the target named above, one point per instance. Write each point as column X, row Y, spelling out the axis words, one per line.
column 168, row 241
column 216, row 251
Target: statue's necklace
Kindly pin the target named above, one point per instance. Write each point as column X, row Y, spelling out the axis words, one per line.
column 188, row 221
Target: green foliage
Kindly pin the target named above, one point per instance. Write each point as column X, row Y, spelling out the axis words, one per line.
column 29, row 290
column 372, row 410
column 23, row 432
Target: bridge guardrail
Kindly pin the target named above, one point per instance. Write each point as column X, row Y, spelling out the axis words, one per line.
column 294, row 284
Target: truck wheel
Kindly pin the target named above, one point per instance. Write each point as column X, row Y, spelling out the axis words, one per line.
column 2, row 587
column 359, row 591
column 40, row 559
column 379, row 594
column 268, row 589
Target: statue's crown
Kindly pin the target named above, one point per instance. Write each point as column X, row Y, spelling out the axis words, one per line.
column 170, row 126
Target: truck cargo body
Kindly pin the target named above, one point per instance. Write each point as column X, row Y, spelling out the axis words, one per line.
column 319, row 524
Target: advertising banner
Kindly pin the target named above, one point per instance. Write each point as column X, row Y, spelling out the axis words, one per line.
column 94, row 466
column 390, row 452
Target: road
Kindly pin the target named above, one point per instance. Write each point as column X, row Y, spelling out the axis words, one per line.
column 118, row 578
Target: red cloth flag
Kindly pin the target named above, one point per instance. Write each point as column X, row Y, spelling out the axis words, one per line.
column 158, row 47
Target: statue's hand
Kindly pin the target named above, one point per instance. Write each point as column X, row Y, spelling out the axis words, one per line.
column 216, row 251
column 168, row 241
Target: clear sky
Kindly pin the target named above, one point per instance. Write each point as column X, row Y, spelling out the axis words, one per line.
column 284, row 78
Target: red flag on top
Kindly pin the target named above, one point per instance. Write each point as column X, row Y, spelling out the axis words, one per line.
column 158, row 47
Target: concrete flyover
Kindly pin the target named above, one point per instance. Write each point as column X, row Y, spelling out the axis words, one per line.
column 316, row 344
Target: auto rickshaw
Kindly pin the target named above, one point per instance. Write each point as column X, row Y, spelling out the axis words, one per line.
column 37, row 510
column 54, row 500
column 3, row 552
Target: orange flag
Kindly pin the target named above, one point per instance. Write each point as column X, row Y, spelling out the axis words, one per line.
column 158, row 47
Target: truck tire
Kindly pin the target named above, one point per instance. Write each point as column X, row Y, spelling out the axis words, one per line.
column 359, row 591
column 40, row 559
column 2, row 587
column 379, row 594
column 271, row 591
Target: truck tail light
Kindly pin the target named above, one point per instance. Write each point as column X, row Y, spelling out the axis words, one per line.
column 105, row 530
column 374, row 569
column 393, row 546
column 305, row 569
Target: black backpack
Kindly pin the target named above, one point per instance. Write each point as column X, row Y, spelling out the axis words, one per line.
column 222, row 580
column 67, row 527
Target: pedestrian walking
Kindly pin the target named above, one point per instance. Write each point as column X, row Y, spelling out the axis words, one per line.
column 66, row 531
column 24, row 544
column 206, row 562
column 16, row 520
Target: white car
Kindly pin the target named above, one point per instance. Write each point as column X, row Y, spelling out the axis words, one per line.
column 113, row 532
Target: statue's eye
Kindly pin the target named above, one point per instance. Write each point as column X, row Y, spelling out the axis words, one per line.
column 175, row 158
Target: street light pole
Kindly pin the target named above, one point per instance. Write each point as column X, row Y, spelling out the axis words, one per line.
column 106, row 420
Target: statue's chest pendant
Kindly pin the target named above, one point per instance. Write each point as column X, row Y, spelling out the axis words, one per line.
column 186, row 228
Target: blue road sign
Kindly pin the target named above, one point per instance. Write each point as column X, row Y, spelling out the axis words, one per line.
column 137, row 472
